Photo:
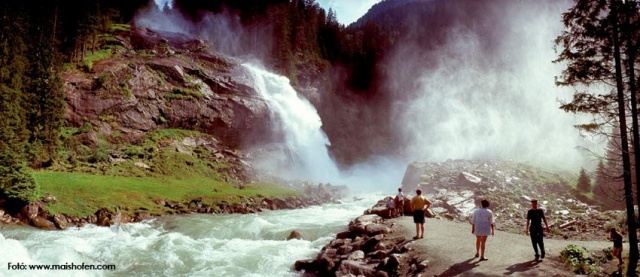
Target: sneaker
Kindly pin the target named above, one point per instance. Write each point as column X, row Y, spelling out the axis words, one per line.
column 537, row 257
column 542, row 256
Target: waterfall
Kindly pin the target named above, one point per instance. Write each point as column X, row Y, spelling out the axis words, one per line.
column 301, row 127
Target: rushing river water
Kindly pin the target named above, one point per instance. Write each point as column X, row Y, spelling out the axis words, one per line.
column 187, row 245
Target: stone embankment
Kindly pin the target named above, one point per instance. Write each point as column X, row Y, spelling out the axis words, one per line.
column 36, row 214
column 367, row 248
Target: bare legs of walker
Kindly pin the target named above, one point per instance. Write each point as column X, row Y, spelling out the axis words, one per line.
column 419, row 231
column 481, row 242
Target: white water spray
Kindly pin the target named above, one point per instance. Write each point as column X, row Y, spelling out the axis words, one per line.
column 301, row 126
column 189, row 245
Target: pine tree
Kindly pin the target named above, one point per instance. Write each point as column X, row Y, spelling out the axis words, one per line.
column 584, row 182
column 45, row 112
column 15, row 184
column 592, row 50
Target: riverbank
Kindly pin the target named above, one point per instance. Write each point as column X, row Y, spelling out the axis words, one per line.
column 72, row 199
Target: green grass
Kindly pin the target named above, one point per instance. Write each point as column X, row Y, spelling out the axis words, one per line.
column 83, row 194
column 96, row 56
column 180, row 92
column 120, row 28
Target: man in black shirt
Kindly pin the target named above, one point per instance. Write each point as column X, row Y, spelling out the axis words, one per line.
column 535, row 217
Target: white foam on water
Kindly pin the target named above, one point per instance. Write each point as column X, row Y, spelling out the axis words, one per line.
column 188, row 245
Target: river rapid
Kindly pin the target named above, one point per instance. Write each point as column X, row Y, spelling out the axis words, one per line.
column 185, row 245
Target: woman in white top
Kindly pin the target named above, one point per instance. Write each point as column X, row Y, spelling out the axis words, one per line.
column 481, row 226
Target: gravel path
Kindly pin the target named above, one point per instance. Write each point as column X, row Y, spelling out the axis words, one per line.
column 450, row 247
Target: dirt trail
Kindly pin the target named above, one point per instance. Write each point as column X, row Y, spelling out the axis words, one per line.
column 450, row 247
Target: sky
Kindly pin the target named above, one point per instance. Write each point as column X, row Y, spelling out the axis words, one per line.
column 347, row 11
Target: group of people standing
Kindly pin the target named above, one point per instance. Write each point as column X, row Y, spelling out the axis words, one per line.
column 419, row 205
column 483, row 224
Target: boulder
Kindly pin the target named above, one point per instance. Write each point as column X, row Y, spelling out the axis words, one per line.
column 31, row 210
column 412, row 175
column 390, row 264
column 43, row 223
column 356, row 255
column 306, row 265
column 370, row 244
column 468, row 179
column 103, row 217
column 359, row 268
column 61, row 221
column 295, row 235
column 345, row 249
column 375, row 229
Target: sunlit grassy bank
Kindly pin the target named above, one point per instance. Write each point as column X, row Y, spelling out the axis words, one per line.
column 83, row 194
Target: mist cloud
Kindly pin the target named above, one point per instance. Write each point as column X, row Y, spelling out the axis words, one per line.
column 224, row 31
column 488, row 90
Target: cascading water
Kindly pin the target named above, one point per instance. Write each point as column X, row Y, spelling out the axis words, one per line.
column 190, row 245
column 301, row 126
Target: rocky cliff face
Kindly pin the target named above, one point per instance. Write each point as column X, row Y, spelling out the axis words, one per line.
column 167, row 80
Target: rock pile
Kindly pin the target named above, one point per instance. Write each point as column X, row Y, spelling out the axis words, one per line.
column 367, row 249
column 456, row 187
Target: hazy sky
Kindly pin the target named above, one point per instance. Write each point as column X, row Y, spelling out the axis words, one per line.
column 347, row 11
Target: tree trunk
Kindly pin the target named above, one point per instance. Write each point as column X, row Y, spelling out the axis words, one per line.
column 55, row 23
column 83, row 52
column 626, row 162
column 631, row 59
column 94, row 43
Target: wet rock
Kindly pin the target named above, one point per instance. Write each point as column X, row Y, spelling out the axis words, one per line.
column 294, row 235
column 306, row 265
column 141, row 216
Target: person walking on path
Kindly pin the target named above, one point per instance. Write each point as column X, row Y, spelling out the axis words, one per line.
column 419, row 204
column 482, row 224
column 616, row 237
column 400, row 202
column 535, row 217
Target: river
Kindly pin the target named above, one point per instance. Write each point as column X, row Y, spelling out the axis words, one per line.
column 185, row 245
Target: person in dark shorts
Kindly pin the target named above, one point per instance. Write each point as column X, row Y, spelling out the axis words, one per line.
column 419, row 204
column 535, row 217
column 616, row 237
